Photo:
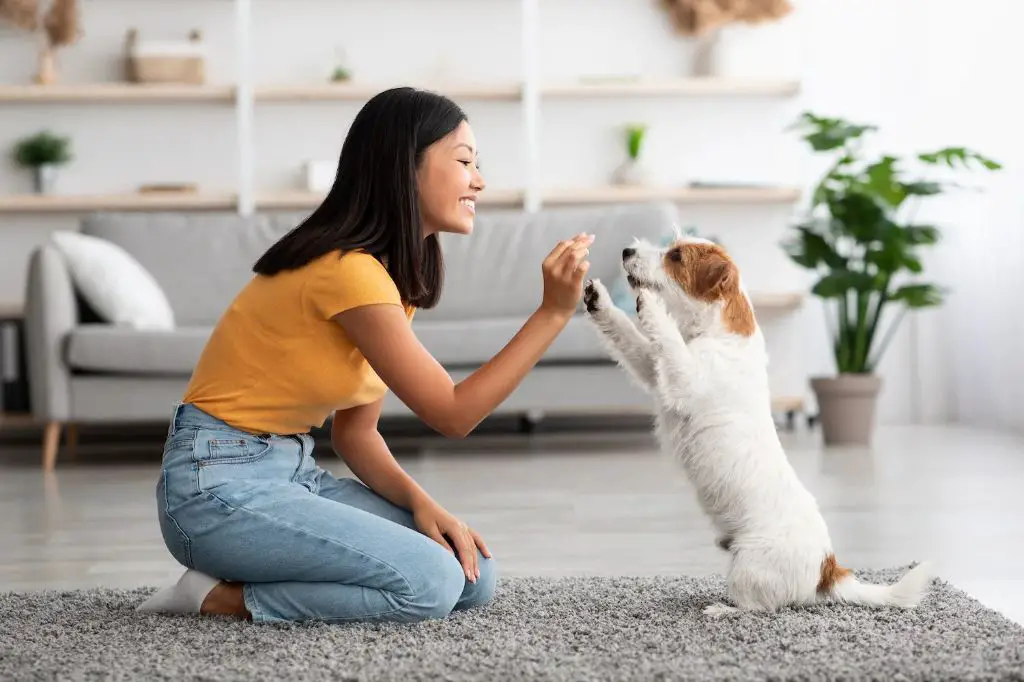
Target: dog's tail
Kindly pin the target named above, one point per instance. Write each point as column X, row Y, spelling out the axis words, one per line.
column 839, row 584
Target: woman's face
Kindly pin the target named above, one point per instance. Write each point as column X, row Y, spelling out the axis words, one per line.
column 449, row 183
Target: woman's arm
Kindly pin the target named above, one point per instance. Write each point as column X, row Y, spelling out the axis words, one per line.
column 384, row 337
column 358, row 442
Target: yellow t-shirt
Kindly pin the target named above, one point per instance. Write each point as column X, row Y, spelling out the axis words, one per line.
column 277, row 363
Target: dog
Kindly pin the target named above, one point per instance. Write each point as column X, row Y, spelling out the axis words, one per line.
column 697, row 349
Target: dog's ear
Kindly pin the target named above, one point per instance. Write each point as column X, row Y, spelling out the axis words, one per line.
column 716, row 276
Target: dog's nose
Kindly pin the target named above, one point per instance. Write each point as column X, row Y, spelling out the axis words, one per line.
column 626, row 253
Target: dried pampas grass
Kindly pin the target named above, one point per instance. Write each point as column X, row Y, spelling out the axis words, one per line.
column 23, row 14
column 700, row 17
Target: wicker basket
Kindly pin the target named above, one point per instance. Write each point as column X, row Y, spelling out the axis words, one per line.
column 165, row 63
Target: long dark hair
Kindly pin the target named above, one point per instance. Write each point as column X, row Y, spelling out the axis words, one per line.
column 374, row 203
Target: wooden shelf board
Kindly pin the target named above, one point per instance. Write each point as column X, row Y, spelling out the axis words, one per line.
column 672, row 87
column 16, row 419
column 116, row 92
column 625, row 193
column 304, row 199
column 156, row 201
column 364, row 91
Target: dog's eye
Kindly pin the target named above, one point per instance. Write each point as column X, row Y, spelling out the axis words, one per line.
column 676, row 254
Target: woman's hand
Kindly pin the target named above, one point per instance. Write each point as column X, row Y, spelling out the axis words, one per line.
column 564, row 270
column 437, row 523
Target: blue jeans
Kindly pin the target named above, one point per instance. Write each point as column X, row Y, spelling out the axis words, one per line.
column 256, row 509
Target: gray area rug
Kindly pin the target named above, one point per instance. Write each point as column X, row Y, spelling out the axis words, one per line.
column 536, row 629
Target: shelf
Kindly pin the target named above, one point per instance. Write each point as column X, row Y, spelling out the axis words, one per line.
column 672, row 87
column 358, row 92
column 691, row 195
column 16, row 420
column 777, row 301
column 117, row 92
column 304, row 199
column 156, row 201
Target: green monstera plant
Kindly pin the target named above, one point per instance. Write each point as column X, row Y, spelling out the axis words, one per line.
column 861, row 240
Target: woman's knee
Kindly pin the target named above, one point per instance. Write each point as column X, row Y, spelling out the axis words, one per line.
column 482, row 591
column 435, row 586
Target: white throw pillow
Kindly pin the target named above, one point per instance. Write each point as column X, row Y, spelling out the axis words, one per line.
column 114, row 283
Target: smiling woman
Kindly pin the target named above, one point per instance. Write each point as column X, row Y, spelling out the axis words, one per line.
column 324, row 328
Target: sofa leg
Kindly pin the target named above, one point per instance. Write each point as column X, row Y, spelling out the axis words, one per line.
column 51, row 443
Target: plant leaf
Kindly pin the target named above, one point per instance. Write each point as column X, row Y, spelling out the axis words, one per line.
column 918, row 295
column 840, row 282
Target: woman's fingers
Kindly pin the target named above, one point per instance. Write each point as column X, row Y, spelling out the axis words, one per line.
column 467, row 554
column 435, row 534
column 480, row 543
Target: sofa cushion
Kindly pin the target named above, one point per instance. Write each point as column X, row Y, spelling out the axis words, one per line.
column 200, row 260
column 110, row 348
column 495, row 271
column 113, row 282
column 454, row 343
column 469, row 343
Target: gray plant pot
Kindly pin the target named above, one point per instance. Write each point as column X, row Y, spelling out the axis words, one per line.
column 847, row 405
column 45, row 178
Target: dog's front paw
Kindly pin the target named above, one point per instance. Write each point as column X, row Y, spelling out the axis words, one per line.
column 595, row 296
column 652, row 314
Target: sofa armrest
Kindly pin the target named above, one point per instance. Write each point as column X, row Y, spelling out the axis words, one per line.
column 50, row 314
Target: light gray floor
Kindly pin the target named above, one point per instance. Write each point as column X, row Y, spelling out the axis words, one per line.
column 582, row 504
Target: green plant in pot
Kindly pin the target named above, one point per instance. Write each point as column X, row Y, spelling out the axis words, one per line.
column 43, row 153
column 632, row 171
column 860, row 239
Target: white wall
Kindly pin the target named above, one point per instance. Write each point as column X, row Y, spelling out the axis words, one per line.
column 912, row 68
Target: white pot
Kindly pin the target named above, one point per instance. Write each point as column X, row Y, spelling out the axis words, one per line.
column 631, row 172
column 44, row 178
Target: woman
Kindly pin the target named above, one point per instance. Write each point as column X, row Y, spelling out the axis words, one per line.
column 324, row 327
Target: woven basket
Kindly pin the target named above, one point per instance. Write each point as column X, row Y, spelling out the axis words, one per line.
column 150, row 66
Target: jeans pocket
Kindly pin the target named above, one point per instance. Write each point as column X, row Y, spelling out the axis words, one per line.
column 218, row 448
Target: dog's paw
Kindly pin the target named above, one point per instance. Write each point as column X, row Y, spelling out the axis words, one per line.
column 595, row 296
column 719, row 610
column 652, row 314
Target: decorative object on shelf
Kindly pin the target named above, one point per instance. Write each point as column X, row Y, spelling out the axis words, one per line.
column 341, row 73
column 43, row 153
column 633, row 171
column 320, row 175
column 60, row 26
column 166, row 188
column 165, row 61
column 859, row 239
column 704, row 20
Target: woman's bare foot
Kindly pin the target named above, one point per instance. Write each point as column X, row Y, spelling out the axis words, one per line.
column 225, row 600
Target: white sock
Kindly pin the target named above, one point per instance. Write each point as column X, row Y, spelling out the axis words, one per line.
column 185, row 596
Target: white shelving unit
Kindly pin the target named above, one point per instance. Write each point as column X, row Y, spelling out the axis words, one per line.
column 528, row 94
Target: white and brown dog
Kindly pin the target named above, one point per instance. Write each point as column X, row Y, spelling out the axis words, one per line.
column 698, row 350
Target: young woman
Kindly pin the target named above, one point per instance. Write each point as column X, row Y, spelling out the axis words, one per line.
column 325, row 327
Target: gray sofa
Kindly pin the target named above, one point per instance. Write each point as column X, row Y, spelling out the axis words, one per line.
column 85, row 371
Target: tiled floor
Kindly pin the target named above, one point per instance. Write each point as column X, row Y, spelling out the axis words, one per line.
column 578, row 503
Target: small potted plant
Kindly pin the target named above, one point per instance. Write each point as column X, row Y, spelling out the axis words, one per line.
column 632, row 171
column 860, row 240
column 43, row 153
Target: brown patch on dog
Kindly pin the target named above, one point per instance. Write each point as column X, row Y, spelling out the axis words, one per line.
column 831, row 573
column 706, row 273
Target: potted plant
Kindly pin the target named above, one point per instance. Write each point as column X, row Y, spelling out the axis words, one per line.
column 43, row 153
column 632, row 171
column 861, row 241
